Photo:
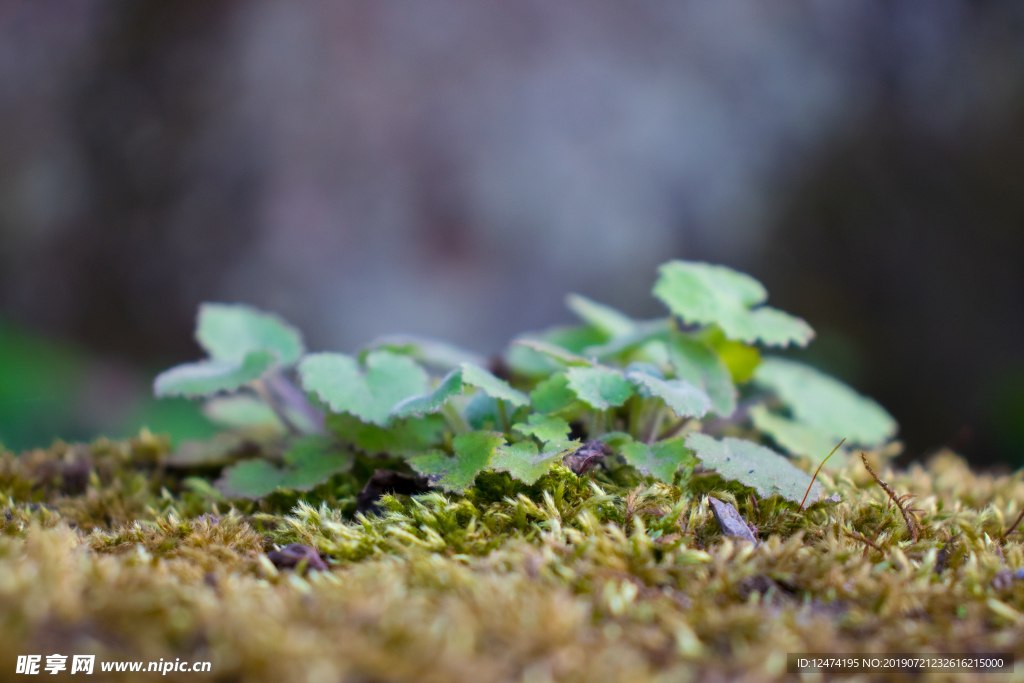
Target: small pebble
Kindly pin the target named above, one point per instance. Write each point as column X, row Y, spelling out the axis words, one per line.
column 290, row 556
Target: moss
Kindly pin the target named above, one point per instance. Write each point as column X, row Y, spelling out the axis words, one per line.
column 569, row 580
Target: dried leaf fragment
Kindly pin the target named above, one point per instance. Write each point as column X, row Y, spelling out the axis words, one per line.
column 730, row 521
column 294, row 554
column 590, row 453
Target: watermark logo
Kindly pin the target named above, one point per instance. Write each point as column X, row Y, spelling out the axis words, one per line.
column 85, row 664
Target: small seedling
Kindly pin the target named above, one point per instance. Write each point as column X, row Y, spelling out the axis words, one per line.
column 448, row 418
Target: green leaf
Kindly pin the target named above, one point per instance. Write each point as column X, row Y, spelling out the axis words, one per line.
column 716, row 295
column 740, row 358
column 231, row 331
column 476, row 376
column 482, row 412
column 525, row 361
column 643, row 332
column 452, row 385
column 826, row 404
column 249, row 479
column 703, row 367
column 553, row 394
column 523, row 462
column 401, row 438
column 430, row 352
column 544, row 427
column 684, row 399
column 616, row 440
column 310, row 461
column 599, row 387
column 752, row 465
column 554, row 352
column 604, row 318
column 242, row 412
column 797, row 438
column 473, row 452
column 207, row 377
column 660, row 460
column 339, row 382
column 313, row 460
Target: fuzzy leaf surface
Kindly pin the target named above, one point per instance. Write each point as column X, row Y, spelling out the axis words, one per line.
column 717, row 295
column 684, row 399
column 473, row 452
column 601, row 316
column 826, row 404
column 523, row 461
column 424, row 404
column 547, row 428
column 753, row 465
column 231, row 331
column 452, row 385
column 599, row 387
column 796, row 437
column 660, row 460
column 340, row 383
column 702, row 366
column 553, row 394
column 524, row 360
column 207, row 377
column 495, row 387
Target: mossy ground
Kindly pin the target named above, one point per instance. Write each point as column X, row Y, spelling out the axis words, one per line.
column 105, row 551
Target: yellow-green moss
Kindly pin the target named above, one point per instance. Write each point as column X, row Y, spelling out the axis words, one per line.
column 565, row 581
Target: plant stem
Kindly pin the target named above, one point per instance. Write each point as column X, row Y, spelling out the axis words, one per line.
column 819, row 470
column 635, row 414
column 261, row 389
column 454, row 420
column 652, row 434
column 1014, row 525
column 506, row 427
column 674, row 429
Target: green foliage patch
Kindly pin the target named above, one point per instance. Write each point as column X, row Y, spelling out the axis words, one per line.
column 422, row 403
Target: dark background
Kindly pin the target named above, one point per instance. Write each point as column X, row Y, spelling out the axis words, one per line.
column 453, row 168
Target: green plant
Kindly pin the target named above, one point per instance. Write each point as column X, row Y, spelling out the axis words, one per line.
column 655, row 393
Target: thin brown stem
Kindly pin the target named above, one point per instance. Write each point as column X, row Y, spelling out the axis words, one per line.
column 819, row 470
column 908, row 516
column 1014, row 525
column 261, row 389
column 857, row 537
column 674, row 429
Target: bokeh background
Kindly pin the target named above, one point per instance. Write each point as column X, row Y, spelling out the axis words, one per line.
column 453, row 168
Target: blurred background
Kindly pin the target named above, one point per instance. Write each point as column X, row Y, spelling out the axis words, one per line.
column 453, row 168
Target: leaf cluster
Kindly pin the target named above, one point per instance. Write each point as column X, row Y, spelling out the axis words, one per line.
column 657, row 396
